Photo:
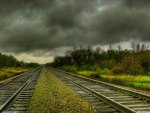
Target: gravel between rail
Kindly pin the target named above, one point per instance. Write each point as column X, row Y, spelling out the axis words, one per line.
column 54, row 96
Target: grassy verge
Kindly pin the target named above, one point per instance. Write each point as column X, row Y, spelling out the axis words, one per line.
column 85, row 71
column 10, row 72
column 137, row 81
column 53, row 96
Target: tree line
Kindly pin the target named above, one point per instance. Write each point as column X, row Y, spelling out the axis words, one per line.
column 134, row 61
column 11, row 61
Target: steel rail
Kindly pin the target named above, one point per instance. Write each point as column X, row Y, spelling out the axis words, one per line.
column 4, row 106
column 115, row 104
column 137, row 94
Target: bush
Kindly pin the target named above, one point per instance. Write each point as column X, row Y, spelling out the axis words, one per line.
column 132, row 65
column 118, row 70
column 96, row 68
column 100, row 70
column 108, row 63
column 86, row 67
column 71, row 68
column 104, row 71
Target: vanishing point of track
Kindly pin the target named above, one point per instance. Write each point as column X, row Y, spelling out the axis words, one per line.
column 16, row 92
column 105, row 97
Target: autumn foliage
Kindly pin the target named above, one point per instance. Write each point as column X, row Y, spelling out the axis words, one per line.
column 135, row 61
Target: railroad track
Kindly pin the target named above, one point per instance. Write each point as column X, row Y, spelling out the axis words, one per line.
column 16, row 93
column 106, row 97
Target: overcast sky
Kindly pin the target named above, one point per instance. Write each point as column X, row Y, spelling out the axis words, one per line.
column 38, row 30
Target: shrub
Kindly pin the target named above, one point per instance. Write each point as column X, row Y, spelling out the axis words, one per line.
column 96, row 68
column 86, row 67
column 132, row 65
column 108, row 63
column 109, row 73
column 71, row 68
column 118, row 70
column 100, row 70
column 104, row 71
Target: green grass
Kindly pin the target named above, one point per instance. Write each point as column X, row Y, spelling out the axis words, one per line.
column 90, row 74
column 53, row 96
column 10, row 72
column 137, row 78
column 72, row 68
column 85, row 70
column 139, row 81
column 140, row 85
column 87, row 73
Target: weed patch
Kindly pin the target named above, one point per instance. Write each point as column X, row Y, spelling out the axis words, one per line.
column 10, row 72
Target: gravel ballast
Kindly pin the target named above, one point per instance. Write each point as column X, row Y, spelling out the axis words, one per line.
column 54, row 96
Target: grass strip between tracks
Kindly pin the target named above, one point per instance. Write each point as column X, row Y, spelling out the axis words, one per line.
column 54, row 96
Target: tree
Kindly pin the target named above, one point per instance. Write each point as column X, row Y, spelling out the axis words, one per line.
column 132, row 65
column 11, row 61
column 136, row 61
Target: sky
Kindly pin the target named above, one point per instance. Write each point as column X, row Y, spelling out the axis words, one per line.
column 39, row 30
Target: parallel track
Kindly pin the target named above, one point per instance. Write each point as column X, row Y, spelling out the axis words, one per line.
column 16, row 93
column 104, row 96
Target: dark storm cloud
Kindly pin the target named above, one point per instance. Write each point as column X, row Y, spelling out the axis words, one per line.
column 66, row 13
column 13, row 5
column 120, row 20
column 119, row 23
column 29, row 25
column 137, row 3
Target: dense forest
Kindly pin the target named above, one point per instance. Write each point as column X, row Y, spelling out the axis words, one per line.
column 11, row 61
column 134, row 61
